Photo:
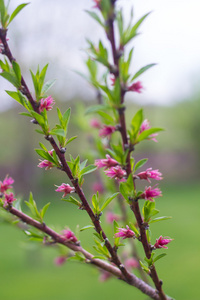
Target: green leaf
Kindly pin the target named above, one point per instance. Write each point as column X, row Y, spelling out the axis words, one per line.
column 108, row 201
column 95, row 109
column 47, row 86
column 87, row 227
column 95, row 203
column 77, row 257
column 95, row 17
column 142, row 70
column 16, row 11
column 137, row 121
column 16, row 69
column 59, row 132
column 10, row 77
column 87, row 170
column 39, row 118
column 144, row 267
column 71, row 139
column 124, row 191
column 159, row 219
column 43, row 210
column 159, row 257
column 146, row 134
column 140, row 163
column 72, row 200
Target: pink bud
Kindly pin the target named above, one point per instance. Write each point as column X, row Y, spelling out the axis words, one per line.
column 110, row 217
column 107, row 163
column 46, row 103
column 65, row 188
column 45, row 164
column 69, row 236
column 98, row 187
column 149, row 173
column 117, row 173
column 136, row 87
column 161, row 242
column 146, row 125
column 106, row 131
column 150, row 193
column 60, row 260
column 95, row 123
column 131, row 263
column 125, row 233
column 6, row 184
column 9, row 199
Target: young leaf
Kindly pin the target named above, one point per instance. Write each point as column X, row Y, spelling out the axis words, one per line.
column 72, row 200
column 43, row 210
column 159, row 257
column 140, row 163
column 142, row 70
column 160, row 219
column 87, row 227
column 16, row 11
column 108, row 201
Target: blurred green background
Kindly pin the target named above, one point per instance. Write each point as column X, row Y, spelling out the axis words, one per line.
column 27, row 271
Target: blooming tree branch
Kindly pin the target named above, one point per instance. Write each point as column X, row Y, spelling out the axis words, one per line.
column 118, row 162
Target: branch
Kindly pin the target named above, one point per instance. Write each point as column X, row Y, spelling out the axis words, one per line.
column 136, row 282
column 134, row 206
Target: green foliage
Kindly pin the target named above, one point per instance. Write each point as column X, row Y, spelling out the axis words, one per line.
column 127, row 189
column 149, row 210
column 126, row 35
column 38, row 215
column 11, row 74
column 72, row 200
column 38, row 81
column 44, row 153
column 6, row 19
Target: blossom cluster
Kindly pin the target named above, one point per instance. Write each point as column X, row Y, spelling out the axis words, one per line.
column 111, row 167
column 5, row 185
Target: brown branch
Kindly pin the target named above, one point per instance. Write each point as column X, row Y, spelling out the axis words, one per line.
column 95, row 219
column 136, row 282
column 134, row 206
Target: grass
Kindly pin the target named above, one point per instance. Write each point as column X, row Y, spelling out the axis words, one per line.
column 28, row 272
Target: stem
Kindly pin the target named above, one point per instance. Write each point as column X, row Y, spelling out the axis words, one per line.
column 138, row 283
column 114, row 257
column 134, row 206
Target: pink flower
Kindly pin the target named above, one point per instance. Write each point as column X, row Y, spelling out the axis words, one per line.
column 146, row 125
column 9, row 199
column 125, row 233
column 45, row 164
column 131, row 263
column 51, row 152
column 116, row 172
column 113, row 79
column 106, row 163
column 46, row 103
column 110, row 217
column 98, row 187
column 106, row 131
column 6, row 184
column 149, row 173
column 95, row 123
column 104, row 276
column 66, row 189
column 136, row 87
column 161, row 242
column 151, row 193
column 69, row 236
column 97, row 3
column 60, row 260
